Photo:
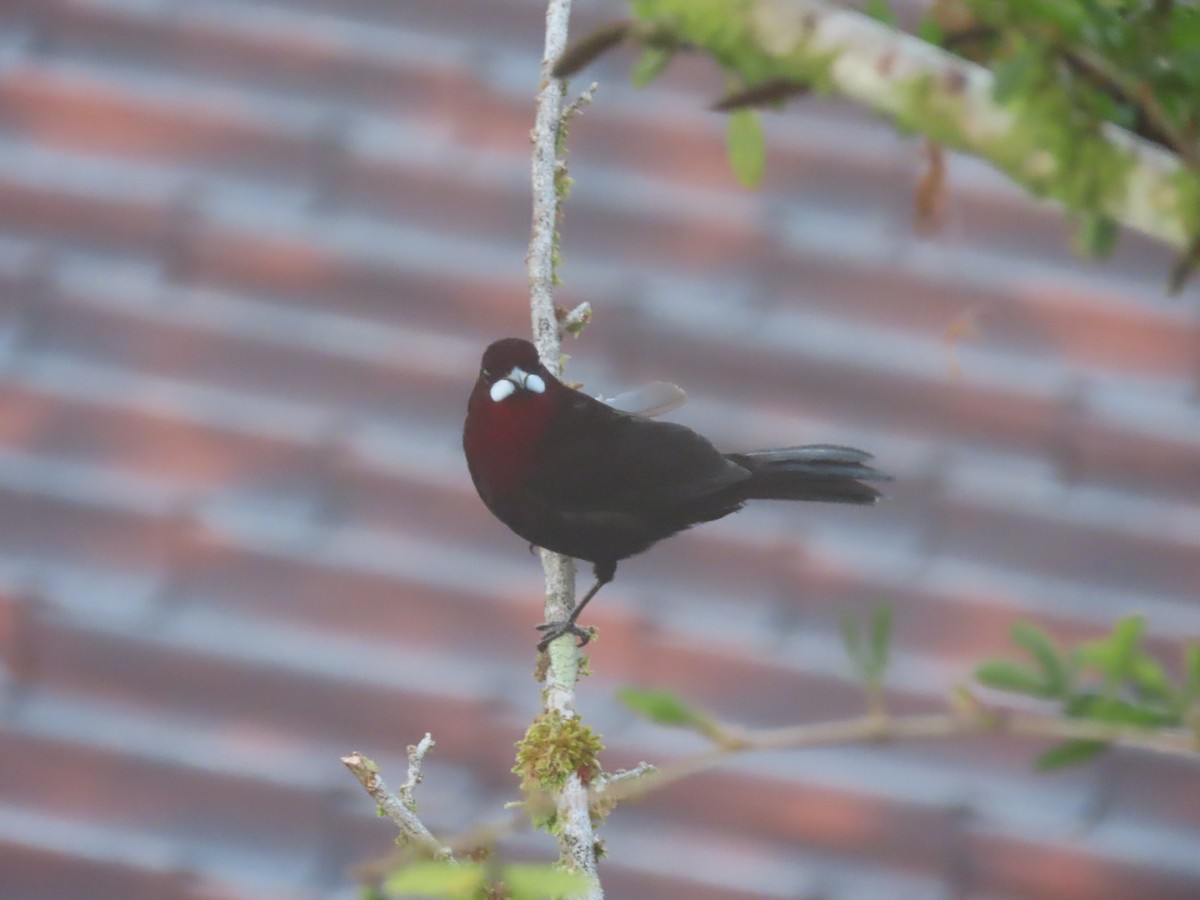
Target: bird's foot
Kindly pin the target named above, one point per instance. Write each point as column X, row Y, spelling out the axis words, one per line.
column 553, row 630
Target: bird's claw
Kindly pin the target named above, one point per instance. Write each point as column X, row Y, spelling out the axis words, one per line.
column 554, row 630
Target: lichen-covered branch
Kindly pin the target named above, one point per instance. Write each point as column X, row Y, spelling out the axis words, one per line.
column 401, row 811
column 1106, row 171
column 572, row 820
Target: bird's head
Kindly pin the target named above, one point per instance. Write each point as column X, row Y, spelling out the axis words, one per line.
column 511, row 371
column 510, row 409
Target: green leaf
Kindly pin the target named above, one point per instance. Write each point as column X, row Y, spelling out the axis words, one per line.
column 1114, row 655
column 1100, row 708
column 1069, row 753
column 1045, row 651
column 664, row 708
column 1096, row 235
column 1015, row 73
column 1150, row 678
column 652, row 63
column 930, row 31
column 1184, row 32
column 881, row 637
column 1009, row 676
column 1126, row 637
column 440, row 879
column 881, row 10
column 529, row 882
column 747, row 149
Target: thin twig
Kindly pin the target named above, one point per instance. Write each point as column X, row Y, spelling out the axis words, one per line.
column 987, row 720
column 608, row 779
column 412, row 829
column 540, row 260
column 416, row 755
column 577, row 105
column 577, row 319
column 976, row 720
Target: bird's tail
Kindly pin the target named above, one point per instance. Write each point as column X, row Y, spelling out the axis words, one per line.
column 822, row 472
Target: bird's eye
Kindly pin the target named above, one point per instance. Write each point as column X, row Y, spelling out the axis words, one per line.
column 485, row 374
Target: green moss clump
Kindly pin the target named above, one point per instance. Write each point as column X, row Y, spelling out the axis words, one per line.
column 554, row 748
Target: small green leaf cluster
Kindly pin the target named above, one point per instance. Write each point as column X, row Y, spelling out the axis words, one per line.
column 1109, row 680
column 1135, row 63
column 1067, row 69
column 723, row 28
column 475, row 881
column 1121, row 52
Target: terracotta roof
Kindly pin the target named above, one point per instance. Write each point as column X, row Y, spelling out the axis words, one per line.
column 249, row 254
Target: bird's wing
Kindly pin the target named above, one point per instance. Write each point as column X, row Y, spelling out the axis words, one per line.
column 654, row 399
column 598, row 458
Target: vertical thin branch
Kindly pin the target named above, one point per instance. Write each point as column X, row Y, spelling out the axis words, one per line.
column 576, row 837
column 540, row 261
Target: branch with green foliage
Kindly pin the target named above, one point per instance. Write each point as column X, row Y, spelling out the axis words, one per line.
column 1109, row 691
column 1111, row 685
column 1090, row 104
column 1106, row 692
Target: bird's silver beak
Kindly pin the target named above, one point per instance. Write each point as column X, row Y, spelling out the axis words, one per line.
column 517, row 379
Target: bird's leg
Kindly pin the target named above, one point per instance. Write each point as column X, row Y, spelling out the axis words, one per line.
column 552, row 630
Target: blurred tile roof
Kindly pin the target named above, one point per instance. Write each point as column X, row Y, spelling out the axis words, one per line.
column 249, row 254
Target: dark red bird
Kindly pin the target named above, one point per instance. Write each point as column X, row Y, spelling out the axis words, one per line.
column 573, row 475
